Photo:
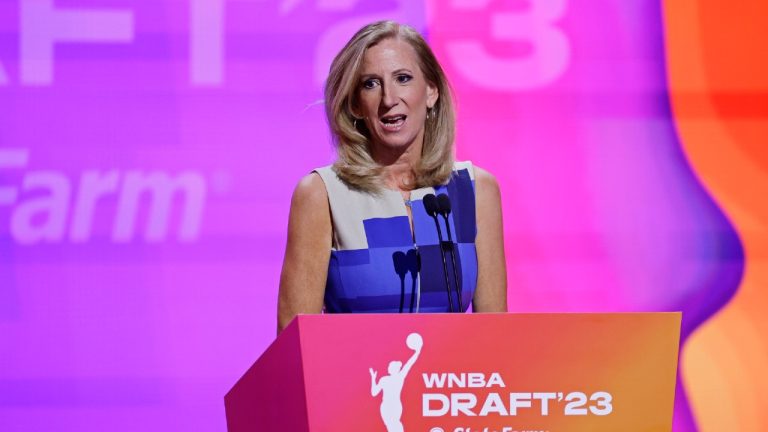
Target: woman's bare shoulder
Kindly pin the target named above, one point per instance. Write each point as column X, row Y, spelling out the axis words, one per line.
column 310, row 193
column 485, row 180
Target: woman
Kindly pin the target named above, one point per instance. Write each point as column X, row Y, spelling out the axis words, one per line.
column 363, row 233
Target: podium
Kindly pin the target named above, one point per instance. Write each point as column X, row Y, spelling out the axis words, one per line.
column 463, row 373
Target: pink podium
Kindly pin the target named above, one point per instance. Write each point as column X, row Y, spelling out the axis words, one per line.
column 463, row 373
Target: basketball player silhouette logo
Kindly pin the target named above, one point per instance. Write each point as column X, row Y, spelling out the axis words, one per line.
column 392, row 385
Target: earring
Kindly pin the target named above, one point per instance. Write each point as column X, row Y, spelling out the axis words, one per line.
column 431, row 112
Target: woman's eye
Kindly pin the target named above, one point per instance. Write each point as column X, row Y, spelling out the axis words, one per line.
column 404, row 78
column 370, row 83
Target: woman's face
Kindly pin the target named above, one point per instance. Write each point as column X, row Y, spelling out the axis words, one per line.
column 393, row 95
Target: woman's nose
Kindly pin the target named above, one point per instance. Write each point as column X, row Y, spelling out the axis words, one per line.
column 388, row 95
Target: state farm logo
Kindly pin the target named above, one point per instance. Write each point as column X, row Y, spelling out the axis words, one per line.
column 50, row 207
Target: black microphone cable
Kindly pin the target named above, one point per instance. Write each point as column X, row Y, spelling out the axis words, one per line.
column 431, row 206
column 444, row 208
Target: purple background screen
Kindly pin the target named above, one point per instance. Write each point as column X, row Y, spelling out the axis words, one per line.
column 148, row 151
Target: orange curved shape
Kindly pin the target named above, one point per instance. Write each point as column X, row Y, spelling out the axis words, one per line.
column 718, row 73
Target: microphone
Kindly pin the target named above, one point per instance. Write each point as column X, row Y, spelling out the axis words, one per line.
column 444, row 208
column 432, row 207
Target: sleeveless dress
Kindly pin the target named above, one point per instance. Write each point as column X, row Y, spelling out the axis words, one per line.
column 378, row 264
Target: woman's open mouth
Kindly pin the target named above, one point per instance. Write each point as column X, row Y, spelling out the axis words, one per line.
column 392, row 123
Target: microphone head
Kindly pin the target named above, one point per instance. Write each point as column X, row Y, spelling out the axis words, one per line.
column 443, row 204
column 430, row 204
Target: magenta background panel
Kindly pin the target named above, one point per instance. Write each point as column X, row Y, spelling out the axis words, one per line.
column 148, row 150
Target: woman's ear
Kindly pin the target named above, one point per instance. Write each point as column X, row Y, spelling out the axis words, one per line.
column 432, row 95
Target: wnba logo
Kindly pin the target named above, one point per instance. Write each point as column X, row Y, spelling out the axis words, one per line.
column 391, row 386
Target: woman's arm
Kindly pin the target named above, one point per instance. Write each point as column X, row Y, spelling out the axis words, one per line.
column 305, row 266
column 491, row 292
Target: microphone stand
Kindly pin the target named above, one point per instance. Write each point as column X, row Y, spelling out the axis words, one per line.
column 444, row 208
column 431, row 206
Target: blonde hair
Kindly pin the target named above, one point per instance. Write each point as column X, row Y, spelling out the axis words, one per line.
column 355, row 164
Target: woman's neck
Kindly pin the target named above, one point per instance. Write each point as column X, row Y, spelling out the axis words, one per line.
column 398, row 165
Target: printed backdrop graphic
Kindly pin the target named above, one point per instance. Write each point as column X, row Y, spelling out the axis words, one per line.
column 148, row 151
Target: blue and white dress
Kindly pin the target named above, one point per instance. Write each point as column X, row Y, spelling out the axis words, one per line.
column 378, row 264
